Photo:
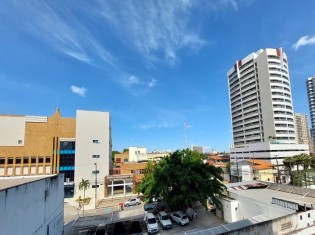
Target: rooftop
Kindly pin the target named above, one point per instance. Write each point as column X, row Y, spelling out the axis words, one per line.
column 266, row 194
column 10, row 182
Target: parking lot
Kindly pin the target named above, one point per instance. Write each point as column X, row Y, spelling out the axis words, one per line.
column 205, row 219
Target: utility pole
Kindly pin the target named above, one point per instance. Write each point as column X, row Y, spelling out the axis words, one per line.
column 95, row 185
column 238, row 172
column 254, row 165
column 279, row 179
column 186, row 125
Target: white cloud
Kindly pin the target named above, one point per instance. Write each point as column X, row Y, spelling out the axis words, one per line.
column 156, row 29
column 58, row 27
column 78, row 90
column 138, row 86
column 152, row 83
column 304, row 41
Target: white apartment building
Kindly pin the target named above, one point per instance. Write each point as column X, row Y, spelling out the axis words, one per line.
column 301, row 128
column 260, row 98
column 138, row 154
column 262, row 109
column 93, row 152
column 310, row 84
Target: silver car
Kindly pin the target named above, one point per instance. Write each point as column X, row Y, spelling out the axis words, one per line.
column 164, row 220
column 132, row 201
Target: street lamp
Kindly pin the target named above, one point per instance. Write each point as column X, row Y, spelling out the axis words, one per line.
column 254, row 167
column 95, row 185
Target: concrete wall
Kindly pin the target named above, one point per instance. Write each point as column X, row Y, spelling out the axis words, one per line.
column 230, row 208
column 93, row 137
column 33, row 208
column 293, row 189
column 12, row 131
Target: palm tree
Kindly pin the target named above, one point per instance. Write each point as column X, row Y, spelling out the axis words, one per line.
column 84, row 184
column 289, row 162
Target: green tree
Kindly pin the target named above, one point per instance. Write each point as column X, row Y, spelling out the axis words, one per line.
column 147, row 185
column 183, row 179
column 84, row 184
column 125, row 150
column 113, row 156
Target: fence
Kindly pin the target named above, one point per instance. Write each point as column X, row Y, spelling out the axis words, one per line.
column 292, row 189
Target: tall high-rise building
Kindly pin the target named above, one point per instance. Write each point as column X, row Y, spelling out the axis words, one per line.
column 310, row 84
column 260, row 98
column 262, row 110
column 301, row 128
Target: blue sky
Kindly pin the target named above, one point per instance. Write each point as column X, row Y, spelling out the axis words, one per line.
column 154, row 65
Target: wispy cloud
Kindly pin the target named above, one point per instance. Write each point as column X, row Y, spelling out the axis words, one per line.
column 156, row 29
column 138, row 86
column 57, row 26
column 163, row 118
column 304, row 41
column 78, row 90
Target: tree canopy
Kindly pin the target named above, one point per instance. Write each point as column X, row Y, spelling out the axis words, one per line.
column 183, row 179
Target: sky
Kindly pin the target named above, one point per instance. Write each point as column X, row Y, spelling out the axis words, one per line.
column 158, row 67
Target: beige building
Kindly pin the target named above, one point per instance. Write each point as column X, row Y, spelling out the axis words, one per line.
column 30, row 145
column 79, row 147
column 301, row 128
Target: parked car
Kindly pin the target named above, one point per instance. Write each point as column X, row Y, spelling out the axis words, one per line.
column 149, row 207
column 132, row 201
column 164, row 220
column 179, row 217
column 135, row 228
column 151, row 223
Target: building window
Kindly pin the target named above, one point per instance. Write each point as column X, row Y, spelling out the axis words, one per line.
column 40, row 159
column 2, row 160
column 95, row 172
column 118, row 160
column 19, row 141
column 300, row 217
column 309, row 215
column 18, row 160
column 96, row 141
column 126, row 160
column 10, row 161
column 25, row 159
column 95, row 156
column 47, row 159
column 33, row 160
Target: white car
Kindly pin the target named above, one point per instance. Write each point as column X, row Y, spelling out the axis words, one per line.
column 179, row 217
column 151, row 223
column 164, row 220
column 132, row 201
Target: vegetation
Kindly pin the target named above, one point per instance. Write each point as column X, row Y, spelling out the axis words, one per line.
column 84, row 184
column 183, row 179
column 113, row 156
column 302, row 159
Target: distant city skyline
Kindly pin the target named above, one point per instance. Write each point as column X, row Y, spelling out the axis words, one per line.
column 153, row 65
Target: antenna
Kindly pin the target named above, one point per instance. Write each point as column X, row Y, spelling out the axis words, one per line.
column 186, row 125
